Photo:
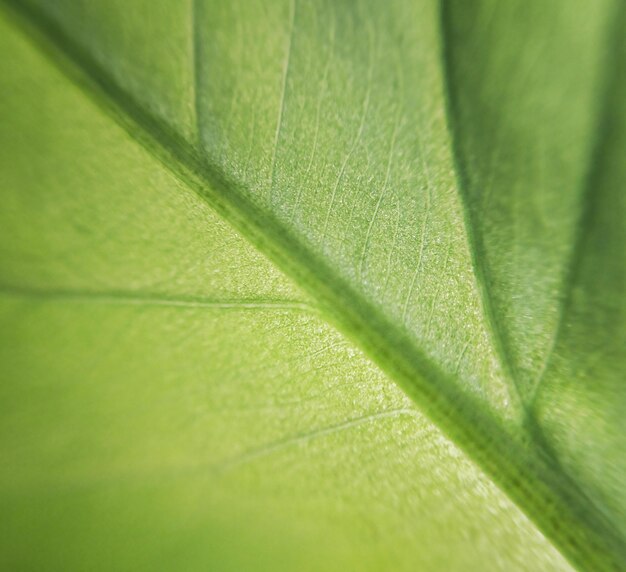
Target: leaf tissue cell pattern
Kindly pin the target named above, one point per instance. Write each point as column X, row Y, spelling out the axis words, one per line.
column 164, row 382
column 444, row 181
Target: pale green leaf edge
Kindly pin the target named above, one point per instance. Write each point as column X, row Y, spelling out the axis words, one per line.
column 532, row 481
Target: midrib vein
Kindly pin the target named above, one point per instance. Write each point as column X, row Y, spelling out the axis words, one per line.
column 573, row 524
column 501, row 343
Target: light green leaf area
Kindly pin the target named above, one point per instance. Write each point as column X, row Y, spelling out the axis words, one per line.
column 171, row 400
column 439, row 191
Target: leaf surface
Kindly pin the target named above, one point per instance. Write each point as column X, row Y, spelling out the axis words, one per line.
column 462, row 222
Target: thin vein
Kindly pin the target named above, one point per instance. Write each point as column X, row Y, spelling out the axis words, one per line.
column 394, row 242
column 244, row 171
column 144, row 299
column 420, row 257
column 357, row 139
column 435, row 300
column 381, row 196
column 459, row 360
column 281, row 105
column 195, row 57
column 216, row 468
column 303, row 438
column 318, row 110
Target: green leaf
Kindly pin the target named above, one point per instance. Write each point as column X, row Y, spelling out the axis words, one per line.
column 441, row 184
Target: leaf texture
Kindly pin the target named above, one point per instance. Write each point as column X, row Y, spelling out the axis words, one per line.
column 443, row 181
